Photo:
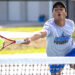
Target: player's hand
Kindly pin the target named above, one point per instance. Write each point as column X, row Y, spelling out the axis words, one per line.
column 26, row 41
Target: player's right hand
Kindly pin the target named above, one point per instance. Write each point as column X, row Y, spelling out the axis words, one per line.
column 26, row 41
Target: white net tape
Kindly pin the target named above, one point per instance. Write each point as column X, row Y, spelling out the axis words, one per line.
column 33, row 64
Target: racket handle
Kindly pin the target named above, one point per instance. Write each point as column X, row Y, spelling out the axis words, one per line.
column 20, row 41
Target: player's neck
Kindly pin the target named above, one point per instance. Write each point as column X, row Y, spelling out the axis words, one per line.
column 60, row 23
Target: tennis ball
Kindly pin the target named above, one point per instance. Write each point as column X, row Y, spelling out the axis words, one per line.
column 1, row 41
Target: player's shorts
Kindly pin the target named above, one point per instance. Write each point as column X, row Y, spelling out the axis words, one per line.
column 56, row 68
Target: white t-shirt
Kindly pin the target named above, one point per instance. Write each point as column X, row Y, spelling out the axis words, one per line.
column 59, row 41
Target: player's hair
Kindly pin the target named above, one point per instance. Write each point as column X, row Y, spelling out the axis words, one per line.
column 59, row 3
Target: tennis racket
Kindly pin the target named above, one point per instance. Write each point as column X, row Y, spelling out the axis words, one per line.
column 7, row 42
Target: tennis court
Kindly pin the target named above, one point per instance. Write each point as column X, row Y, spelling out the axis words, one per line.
column 32, row 64
column 17, row 48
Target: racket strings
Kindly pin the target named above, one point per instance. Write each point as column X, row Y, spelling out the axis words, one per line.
column 5, row 44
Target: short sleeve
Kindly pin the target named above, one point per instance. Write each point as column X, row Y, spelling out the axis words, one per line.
column 73, row 26
column 46, row 28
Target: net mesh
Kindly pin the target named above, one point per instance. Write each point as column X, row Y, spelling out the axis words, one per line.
column 27, row 65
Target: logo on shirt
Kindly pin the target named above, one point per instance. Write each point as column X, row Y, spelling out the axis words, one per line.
column 62, row 39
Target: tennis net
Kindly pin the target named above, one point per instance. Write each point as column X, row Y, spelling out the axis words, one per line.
column 27, row 64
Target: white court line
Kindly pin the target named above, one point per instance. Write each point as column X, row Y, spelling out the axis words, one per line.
column 15, row 34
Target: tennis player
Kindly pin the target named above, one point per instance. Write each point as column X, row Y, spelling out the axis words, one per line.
column 58, row 31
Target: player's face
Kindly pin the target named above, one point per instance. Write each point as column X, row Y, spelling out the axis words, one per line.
column 59, row 13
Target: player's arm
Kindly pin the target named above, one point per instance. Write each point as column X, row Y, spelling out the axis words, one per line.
column 35, row 36
column 41, row 34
